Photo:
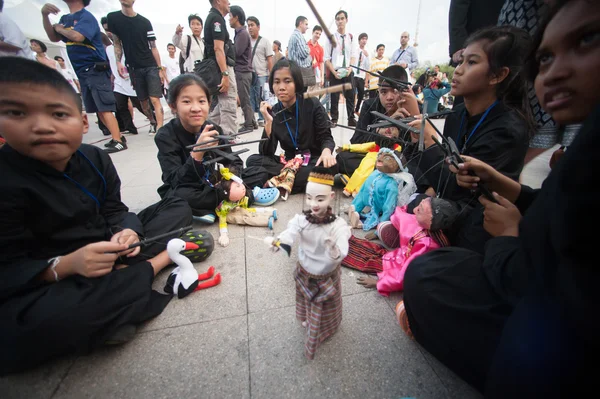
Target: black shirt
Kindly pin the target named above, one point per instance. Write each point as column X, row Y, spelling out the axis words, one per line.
column 215, row 28
column 45, row 214
column 365, row 119
column 135, row 34
column 314, row 130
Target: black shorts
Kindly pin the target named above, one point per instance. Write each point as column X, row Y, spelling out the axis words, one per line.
column 96, row 91
column 146, row 82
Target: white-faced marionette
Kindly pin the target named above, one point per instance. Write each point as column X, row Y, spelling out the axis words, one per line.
column 323, row 244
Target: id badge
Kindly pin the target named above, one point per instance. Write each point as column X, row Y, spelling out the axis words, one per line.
column 305, row 158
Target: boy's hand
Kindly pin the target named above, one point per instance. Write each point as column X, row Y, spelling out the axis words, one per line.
column 265, row 107
column 48, row 9
column 94, row 260
column 471, row 172
column 207, row 134
column 127, row 237
column 501, row 219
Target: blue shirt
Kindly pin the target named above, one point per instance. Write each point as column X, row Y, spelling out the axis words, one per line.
column 408, row 55
column 91, row 50
column 298, row 50
column 432, row 96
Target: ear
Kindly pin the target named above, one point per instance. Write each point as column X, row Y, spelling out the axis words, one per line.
column 173, row 109
column 500, row 76
column 86, row 123
column 332, row 194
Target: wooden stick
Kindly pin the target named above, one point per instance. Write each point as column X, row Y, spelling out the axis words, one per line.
column 328, row 90
column 322, row 23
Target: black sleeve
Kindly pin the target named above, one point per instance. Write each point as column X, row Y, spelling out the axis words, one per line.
column 174, row 171
column 322, row 126
column 115, row 212
column 113, row 26
column 219, row 30
column 526, row 197
column 268, row 147
column 457, row 24
column 365, row 118
column 503, row 148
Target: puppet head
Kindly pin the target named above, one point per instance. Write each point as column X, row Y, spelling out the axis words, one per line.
column 388, row 161
column 231, row 187
column 434, row 213
column 319, row 192
column 389, row 132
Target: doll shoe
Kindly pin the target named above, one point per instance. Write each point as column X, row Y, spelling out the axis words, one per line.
column 271, row 220
column 207, row 219
column 275, row 214
column 388, row 235
column 265, row 196
column 403, row 319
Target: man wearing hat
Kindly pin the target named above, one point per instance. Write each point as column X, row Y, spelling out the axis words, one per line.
column 385, row 103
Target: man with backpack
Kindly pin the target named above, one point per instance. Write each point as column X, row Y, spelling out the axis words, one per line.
column 192, row 47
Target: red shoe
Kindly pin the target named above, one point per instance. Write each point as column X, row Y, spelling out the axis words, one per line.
column 403, row 319
column 388, row 234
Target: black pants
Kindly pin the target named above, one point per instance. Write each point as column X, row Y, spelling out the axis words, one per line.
column 273, row 168
column 335, row 98
column 78, row 314
column 123, row 116
column 348, row 161
column 359, row 83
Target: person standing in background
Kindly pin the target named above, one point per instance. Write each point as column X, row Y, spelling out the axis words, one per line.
column 378, row 64
column 68, row 73
column 12, row 41
column 359, row 77
column 191, row 47
column 277, row 51
column 171, row 65
column 243, row 67
column 405, row 55
column 40, row 48
column 299, row 52
column 262, row 63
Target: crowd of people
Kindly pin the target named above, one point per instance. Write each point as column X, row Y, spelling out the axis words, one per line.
column 504, row 298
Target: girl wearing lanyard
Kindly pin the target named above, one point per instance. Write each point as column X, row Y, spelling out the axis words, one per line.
column 494, row 122
column 299, row 126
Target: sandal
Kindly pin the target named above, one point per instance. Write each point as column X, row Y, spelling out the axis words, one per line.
column 265, row 196
column 403, row 319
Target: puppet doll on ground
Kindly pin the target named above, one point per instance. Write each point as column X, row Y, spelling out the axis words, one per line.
column 419, row 232
column 367, row 165
column 285, row 180
column 388, row 186
column 184, row 279
column 234, row 207
column 323, row 245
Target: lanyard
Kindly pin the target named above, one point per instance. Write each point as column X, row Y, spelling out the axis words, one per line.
column 460, row 129
column 294, row 138
column 85, row 190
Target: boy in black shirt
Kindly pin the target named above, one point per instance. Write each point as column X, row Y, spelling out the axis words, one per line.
column 134, row 34
column 64, row 232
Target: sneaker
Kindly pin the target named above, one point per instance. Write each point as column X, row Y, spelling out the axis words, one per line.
column 402, row 318
column 254, row 125
column 352, row 122
column 388, row 235
column 123, row 335
column 152, row 130
column 115, row 146
column 265, row 196
column 110, row 144
column 261, row 123
column 245, row 129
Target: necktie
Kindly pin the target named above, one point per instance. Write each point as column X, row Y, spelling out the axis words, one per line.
column 343, row 52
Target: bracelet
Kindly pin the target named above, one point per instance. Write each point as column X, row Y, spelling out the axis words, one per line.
column 53, row 263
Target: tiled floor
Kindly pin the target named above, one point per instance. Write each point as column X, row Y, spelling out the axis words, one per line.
column 240, row 339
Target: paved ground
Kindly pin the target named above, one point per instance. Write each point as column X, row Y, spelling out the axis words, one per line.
column 241, row 339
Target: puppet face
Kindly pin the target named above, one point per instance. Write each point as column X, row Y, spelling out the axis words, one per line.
column 424, row 213
column 318, row 198
column 386, row 163
column 237, row 191
column 389, row 132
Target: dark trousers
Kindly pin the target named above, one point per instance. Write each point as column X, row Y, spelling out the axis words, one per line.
column 78, row 314
column 335, row 98
column 348, row 161
column 244, row 82
column 123, row 116
column 273, row 168
column 359, row 83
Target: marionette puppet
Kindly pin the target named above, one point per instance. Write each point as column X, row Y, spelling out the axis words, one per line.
column 323, row 245
column 234, row 208
column 285, row 180
column 367, row 165
column 388, row 186
column 419, row 232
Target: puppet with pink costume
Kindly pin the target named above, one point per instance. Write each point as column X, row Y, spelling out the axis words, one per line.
column 419, row 232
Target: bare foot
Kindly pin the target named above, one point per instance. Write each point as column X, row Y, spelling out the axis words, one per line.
column 355, row 219
column 304, row 324
column 367, row 281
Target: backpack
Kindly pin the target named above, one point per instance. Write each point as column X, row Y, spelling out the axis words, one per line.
column 327, row 71
column 187, row 55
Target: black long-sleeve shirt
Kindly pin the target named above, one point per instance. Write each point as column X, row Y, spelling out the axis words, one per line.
column 314, row 131
column 45, row 214
column 178, row 167
column 468, row 16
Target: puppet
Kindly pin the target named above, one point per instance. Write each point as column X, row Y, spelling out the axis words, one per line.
column 285, row 180
column 419, row 232
column 234, row 207
column 184, row 279
column 367, row 165
column 388, row 186
column 323, row 245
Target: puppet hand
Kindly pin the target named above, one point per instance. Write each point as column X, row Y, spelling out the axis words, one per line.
column 94, row 260
column 500, row 219
column 471, row 172
column 127, row 237
column 224, row 239
column 367, row 281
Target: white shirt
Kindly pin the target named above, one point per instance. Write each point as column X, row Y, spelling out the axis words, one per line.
column 364, row 62
column 172, row 68
column 11, row 34
column 70, row 77
column 313, row 255
column 335, row 56
column 196, row 50
column 122, row 86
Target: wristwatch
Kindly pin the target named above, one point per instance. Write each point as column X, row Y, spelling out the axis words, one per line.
column 225, row 73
